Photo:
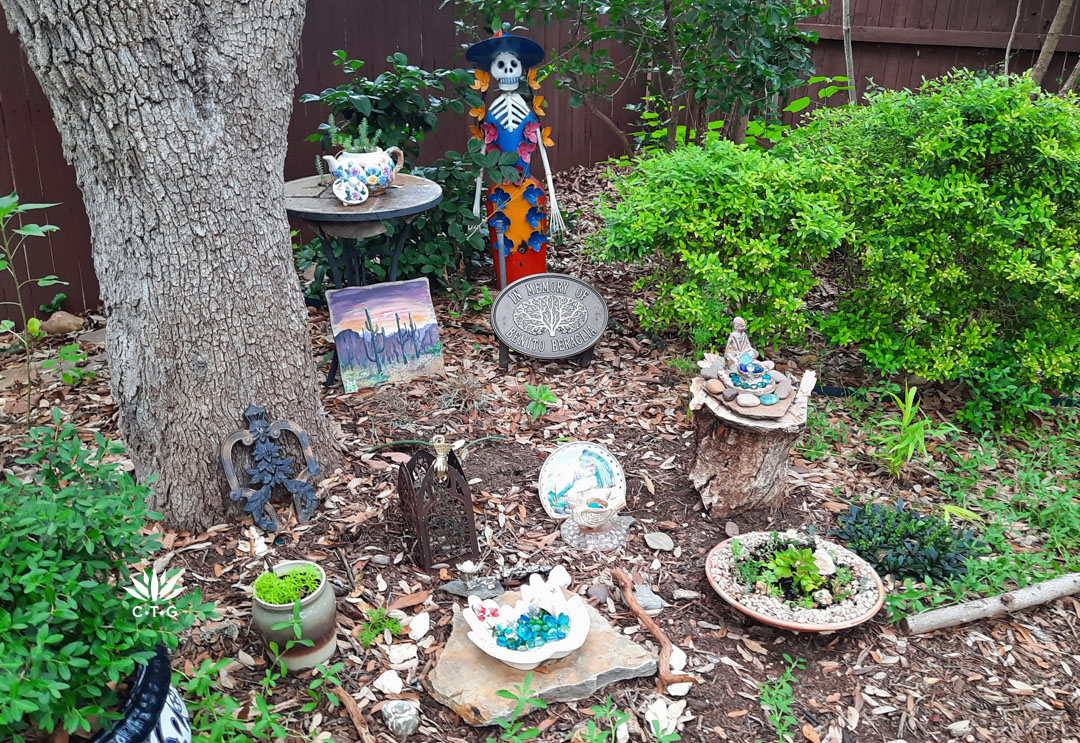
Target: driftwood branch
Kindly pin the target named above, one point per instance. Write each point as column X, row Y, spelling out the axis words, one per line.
column 355, row 714
column 1012, row 34
column 665, row 678
column 1021, row 598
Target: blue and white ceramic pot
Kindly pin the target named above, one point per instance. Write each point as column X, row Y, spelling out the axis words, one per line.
column 154, row 711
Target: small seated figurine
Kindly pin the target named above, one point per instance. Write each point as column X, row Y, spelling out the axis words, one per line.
column 743, row 377
column 740, row 355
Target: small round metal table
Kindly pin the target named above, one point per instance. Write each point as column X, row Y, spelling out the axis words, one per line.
column 314, row 204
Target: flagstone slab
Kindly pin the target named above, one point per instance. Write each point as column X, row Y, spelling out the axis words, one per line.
column 466, row 679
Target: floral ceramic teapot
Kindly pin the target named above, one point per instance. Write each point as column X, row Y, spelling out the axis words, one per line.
column 358, row 175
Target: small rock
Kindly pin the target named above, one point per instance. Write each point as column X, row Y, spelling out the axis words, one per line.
column 419, row 626
column 822, row 597
column 598, row 591
column 389, row 683
column 380, row 559
column 824, row 561
column 731, row 529
column 95, row 337
column 401, row 716
column 730, row 393
column 747, row 400
column 649, row 601
column 680, row 594
column 714, row 387
column 482, row 591
column 678, row 665
column 783, row 388
column 658, row 540
column 708, row 373
column 401, row 652
column 61, row 322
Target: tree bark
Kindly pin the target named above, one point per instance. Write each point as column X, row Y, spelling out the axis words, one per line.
column 1046, row 54
column 849, row 55
column 741, row 464
column 1070, row 80
column 174, row 115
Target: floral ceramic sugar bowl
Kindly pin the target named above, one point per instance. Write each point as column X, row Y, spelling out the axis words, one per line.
column 544, row 624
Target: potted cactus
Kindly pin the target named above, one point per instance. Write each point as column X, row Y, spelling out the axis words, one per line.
column 296, row 590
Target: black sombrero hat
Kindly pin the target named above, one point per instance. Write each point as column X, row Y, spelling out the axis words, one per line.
column 483, row 52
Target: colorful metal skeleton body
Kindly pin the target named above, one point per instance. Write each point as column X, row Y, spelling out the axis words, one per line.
column 517, row 215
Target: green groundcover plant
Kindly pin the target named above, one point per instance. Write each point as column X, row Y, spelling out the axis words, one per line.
column 71, row 532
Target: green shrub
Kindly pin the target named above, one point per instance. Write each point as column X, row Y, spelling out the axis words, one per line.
column 963, row 199
column 729, row 231
column 906, row 543
column 288, row 587
column 71, row 536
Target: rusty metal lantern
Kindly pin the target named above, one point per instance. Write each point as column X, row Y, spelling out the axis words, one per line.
column 435, row 496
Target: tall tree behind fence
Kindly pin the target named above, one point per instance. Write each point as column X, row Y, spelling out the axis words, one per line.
column 896, row 44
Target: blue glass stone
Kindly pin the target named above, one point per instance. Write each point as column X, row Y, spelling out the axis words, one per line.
column 560, row 635
column 769, row 399
column 501, row 641
column 767, row 377
column 564, row 621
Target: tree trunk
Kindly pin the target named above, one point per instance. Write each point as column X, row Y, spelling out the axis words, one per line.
column 1046, row 54
column 174, row 115
column 849, row 56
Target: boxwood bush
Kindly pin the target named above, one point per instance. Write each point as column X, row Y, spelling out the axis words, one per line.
column 954, row 209
column 71, row 533
column 728, row 230
column 963, row 202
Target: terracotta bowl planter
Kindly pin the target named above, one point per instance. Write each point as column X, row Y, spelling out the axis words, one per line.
column 318, row 621
column 860, row 566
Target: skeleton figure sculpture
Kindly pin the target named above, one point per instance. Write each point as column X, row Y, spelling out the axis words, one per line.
column 518, row 220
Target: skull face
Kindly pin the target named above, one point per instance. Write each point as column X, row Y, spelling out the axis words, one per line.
column 506, row 68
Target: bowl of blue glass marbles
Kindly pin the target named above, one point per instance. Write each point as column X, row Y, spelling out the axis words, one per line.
column 544, row 624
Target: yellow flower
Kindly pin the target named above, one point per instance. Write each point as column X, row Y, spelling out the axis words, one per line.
column 373, row 180
column 532, row 80
column 538, row 105
column 483, row 80
column 545, row 136
column 476, row 133
column 478, row 112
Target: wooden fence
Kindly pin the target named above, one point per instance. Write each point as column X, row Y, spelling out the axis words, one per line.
column 896, row 44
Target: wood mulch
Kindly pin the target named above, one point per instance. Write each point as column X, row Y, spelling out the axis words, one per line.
column 1008, row 678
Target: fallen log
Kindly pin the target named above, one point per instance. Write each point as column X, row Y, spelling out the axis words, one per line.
column 1021, row 598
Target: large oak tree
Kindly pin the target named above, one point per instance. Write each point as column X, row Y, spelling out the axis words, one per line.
column 174, row 115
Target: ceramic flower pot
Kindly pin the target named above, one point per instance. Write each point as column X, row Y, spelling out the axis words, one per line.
column 318, row 621
column 153, row 711
column 358, row 175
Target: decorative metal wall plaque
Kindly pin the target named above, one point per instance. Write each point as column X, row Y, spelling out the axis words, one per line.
column 435, row 496
column 549, row 316
column 272, row 469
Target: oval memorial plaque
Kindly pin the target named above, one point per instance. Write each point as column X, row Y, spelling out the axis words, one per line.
column 549, row 316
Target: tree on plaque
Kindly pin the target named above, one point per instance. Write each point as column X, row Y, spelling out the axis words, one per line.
column 272, row 470
column 551, row 314
column 435, row 496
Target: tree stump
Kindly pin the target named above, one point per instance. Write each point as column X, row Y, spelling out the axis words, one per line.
column 741, row 463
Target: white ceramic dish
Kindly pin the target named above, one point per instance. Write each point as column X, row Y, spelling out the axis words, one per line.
column 547, row 595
